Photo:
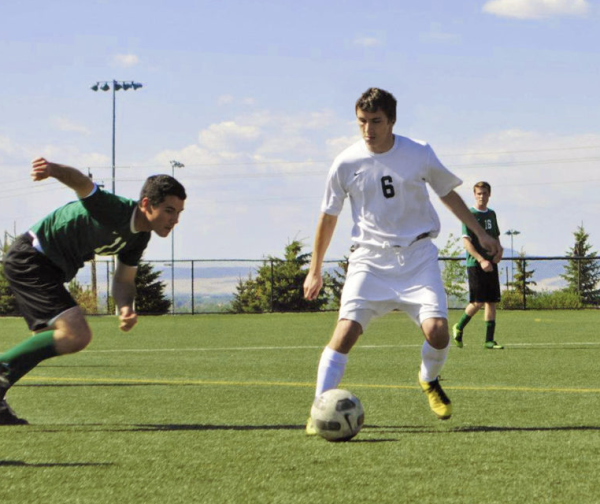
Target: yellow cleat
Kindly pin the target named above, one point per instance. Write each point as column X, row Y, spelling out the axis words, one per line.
column 457, row 335
column 310, row 427
column 438, row 400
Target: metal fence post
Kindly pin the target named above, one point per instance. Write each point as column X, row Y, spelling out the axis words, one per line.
column 192, row 287
column 272, row 283
column 523, row 272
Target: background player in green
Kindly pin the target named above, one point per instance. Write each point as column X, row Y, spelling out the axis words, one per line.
column 40, row 262
column 484, row 282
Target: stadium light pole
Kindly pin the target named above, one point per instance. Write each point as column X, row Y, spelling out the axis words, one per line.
column 115, row 86
column 512, row 233
column 174, row 164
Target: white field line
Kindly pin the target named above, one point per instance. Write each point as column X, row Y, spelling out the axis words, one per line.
column 313, row 347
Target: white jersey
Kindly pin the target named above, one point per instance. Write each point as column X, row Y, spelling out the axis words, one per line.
column 388, row 193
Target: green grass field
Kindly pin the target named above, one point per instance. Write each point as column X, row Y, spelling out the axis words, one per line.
column 211, row 409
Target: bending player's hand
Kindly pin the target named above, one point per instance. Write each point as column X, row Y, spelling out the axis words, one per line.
column 312, row 285
column 40, row 169
column 492, row 246
column 486, row 266
column 127, row 318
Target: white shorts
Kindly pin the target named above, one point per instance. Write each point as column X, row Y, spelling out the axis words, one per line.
column 381, row 280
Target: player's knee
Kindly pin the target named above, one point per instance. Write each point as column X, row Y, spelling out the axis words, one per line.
column 436, row 332
column 72, row 339
column 345, row 335
column 82, row 340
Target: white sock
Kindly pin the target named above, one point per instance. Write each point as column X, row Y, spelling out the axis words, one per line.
column 432, row 361
column 331, row 370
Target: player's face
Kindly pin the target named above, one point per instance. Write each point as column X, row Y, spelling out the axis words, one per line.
column 163, row 218
column 482, row 196
column 376, row 130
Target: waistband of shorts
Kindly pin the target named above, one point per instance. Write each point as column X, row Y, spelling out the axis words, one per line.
column 35, row 242
column 388, row 246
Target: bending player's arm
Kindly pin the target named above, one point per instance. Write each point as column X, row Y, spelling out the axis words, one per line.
column 314, row 279
column 123, row 292
column 483, row 262
column 458, row 207
column 41, row 169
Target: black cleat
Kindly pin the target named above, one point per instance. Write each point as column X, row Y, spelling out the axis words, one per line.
column 8, row 416
column 4, row 383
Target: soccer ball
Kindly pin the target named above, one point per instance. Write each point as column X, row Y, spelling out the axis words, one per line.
column 337, row 415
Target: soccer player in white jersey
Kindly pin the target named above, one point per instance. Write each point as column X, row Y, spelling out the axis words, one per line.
column 394, row 263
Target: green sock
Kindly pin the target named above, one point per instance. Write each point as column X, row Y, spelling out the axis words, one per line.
column 24, row 357
column 464, row 320
column 490, row 328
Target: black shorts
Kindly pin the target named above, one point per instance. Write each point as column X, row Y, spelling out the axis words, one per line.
column 484, row 287
column 36, row 282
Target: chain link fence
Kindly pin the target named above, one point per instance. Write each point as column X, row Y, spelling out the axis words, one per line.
column 209, row 286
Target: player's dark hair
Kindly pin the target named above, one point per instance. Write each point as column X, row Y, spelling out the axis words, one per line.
column 483, row 185
column 374, row 99
column 158, row 187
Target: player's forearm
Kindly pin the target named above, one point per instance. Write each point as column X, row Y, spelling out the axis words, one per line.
column 123, row 293
column 457, row 206
column 323, row 235
column 470, row 248
column 72, row 178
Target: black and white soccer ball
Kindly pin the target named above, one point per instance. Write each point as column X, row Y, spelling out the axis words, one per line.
column 337, row 415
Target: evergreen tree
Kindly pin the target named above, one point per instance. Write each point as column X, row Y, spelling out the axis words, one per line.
column 150, row 296
column 454, row 272
column 278, row 285
column 522, row 278
column 516, row 297
column 248, row 298
column 582, row 272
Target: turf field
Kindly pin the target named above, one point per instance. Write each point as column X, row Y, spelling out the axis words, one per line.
column 211, row 409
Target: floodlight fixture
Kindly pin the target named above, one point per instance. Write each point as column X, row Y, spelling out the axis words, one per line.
column 116, row 86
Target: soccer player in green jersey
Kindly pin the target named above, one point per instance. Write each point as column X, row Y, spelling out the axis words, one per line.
column 41, row 261
column 482, row 270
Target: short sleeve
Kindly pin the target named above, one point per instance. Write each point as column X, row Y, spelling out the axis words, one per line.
column 132, row 254
column 335, row 193
column 441, row 180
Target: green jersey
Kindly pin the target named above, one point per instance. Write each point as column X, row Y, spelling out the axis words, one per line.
column 487, row 220
column 101, row 223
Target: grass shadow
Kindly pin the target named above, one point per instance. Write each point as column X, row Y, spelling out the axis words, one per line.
column 21, row 463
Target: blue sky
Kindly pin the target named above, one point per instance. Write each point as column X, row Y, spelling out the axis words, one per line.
column 256, row 98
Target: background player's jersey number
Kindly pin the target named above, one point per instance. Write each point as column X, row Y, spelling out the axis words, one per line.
column 387, row 187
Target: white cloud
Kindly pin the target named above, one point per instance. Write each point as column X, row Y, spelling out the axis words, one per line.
column 367, row 41
column 438, row 36
column 6, row 145
column 66, row 124
column 536, row 9
column 225, row 100
column 229, row 136
column 338, row 144
column 229, row 100
column 125, row 60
